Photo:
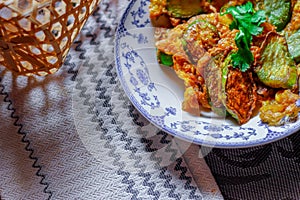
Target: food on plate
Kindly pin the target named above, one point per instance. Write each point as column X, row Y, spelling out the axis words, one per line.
column 169, row 13
column 281, row 109
column 238, row 91
column 278, row 69
column 235, row 57
column 293, row 42
column 278, row 12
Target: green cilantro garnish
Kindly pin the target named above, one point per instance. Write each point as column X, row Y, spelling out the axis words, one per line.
column 248, row 22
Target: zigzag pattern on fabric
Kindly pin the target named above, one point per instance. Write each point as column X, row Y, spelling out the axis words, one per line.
column 128, row 146
column 178, row 167
column 24, row 140
column 124, row 136
column 92, row 37
column 188, row 179
column 179, row 161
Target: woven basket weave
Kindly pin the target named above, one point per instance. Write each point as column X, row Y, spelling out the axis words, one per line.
column 36, row 35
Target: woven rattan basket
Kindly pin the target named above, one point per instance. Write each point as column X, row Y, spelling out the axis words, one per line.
column 36, row 35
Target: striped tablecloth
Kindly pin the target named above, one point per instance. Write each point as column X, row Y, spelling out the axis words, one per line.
column 75, row 135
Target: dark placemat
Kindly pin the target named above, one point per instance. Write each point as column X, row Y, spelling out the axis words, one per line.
column 269, row 171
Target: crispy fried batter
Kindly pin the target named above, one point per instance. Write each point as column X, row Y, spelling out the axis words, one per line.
column 225, row 45
column 198, row 59
column 294, row 24
column 172, row 43
column 192, row 80
column 241, row 94
column 283, row 108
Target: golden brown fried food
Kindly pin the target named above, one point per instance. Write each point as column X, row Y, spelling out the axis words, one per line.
column 193, row 81
column 201, row 49
column 170, row 13
column 240, row 94
column 294, row 24
column 284, row 108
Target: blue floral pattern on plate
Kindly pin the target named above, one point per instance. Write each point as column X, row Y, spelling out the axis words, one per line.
column 157, row 99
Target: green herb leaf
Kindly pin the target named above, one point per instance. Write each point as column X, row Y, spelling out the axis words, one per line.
column 248, row 22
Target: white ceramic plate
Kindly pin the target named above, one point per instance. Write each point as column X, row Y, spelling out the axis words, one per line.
column 157, row 92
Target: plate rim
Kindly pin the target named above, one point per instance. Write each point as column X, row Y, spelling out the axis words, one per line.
column 141, row 110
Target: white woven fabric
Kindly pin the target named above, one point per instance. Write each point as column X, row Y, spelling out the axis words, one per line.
column 18, row 177
column 89, row 141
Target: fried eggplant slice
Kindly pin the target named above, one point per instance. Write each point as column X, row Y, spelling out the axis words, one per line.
column 294, row 23
column 280, row 110
column 171, row 44
column 292, row 32
column 212, row 75
column 170, row 13
column 184, row 8
column 279, row 12
column 195, row 95
column 158, row 14
column 185, row 38
column 238, row 92
column 293, row 42
column 278, row 69
column 199, row 37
